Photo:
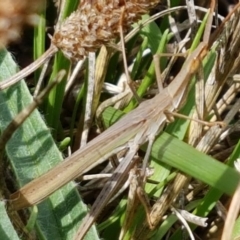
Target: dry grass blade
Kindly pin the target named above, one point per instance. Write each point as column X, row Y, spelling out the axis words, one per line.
column 231, row 215
column 227, row 44
column 29, row 69
column 227, row 41
column 101, row 69
column 132, row 201
column 89, row 99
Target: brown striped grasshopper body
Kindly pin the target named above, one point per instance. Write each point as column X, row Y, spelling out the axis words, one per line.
column 131, row 131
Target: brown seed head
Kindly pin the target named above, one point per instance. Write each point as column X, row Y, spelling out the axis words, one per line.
column 13, row 14
column 96, row 23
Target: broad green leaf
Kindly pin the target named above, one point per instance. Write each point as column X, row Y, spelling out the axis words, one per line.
column 31, row 152
column 7, row 232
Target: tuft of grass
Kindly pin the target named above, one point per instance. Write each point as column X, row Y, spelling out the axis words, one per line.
column 33, row 149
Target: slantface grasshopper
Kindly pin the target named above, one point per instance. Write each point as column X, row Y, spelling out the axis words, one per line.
column 144, row 129
column 133, row 130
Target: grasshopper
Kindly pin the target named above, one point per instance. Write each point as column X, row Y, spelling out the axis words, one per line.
column 136, row 128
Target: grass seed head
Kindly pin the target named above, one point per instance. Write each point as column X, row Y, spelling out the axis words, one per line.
column 96, row 23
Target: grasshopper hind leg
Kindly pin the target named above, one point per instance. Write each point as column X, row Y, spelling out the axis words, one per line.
column 147, row 156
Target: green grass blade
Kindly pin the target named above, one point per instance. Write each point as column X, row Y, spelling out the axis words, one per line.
column 7, row 232
column 137, row 62
column 236, row 230
column 213, row 195
column 150, row 75
column 55, row 99
column 175, row 153
column 39, row 38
